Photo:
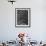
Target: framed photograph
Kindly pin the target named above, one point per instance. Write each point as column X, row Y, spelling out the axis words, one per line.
column 22, row 17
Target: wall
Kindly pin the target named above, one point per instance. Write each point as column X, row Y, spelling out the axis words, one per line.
column 8, row 31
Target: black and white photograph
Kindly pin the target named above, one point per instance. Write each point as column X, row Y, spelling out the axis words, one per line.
column 22, row 17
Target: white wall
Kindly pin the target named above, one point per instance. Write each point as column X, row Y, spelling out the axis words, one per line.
column 8, row 31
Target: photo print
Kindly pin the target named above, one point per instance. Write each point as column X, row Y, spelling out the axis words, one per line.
column 22, row 17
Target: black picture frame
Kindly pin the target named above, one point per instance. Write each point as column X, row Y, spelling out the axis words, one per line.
column 22, row 17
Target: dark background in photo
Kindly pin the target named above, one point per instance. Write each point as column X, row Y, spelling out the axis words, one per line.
column 22, row 17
